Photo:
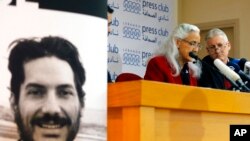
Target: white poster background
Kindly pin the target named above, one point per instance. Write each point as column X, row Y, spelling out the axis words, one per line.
column 87, row 33
column 138, row 28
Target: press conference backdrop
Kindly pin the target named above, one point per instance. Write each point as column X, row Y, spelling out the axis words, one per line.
column 138, row 28
column 80, row 22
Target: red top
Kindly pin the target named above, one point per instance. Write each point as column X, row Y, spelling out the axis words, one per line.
column 159, row 69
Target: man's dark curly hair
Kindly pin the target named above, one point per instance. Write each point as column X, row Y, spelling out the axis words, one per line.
column 25, row 50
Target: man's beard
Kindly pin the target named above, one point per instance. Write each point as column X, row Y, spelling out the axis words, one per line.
column 26, row 132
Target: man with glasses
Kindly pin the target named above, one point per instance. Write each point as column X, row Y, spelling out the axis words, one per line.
column 218, row 47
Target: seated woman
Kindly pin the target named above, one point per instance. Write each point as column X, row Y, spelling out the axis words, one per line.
column 172, row 63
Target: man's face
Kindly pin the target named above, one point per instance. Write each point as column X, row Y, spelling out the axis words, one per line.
column 49, row 107
column 217, row 47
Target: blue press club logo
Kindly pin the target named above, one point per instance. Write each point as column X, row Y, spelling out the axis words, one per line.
column 131, row 59
column 131, row 6
column 137, row 6
column 135, row 33
column 131, row 33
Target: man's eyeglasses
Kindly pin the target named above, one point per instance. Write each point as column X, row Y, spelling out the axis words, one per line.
column 217, row 46
column 193, row 43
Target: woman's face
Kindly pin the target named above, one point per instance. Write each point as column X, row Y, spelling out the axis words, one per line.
column 189, row 44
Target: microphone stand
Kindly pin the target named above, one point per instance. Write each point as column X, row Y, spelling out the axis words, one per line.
column 243, row 87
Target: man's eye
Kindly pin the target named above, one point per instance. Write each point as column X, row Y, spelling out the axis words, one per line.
column 65, row 92
column 35, row 92
column 212, row 47
column 220, row 45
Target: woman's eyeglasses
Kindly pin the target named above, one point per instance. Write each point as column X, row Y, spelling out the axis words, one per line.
column 193, row 43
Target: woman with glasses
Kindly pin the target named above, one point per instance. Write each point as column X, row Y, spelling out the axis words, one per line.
column 172, row 62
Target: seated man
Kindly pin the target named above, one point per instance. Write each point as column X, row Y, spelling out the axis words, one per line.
column 218, row 47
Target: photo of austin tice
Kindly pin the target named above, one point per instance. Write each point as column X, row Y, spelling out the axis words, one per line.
column 46, row 88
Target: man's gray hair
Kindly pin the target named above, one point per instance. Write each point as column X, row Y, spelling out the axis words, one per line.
column 216, row 32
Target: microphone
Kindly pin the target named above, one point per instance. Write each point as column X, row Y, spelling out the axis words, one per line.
column 229, row 73
column 234, row 60
column 237, row 69
column 193, row 55
column 242, row 63
column 247, row 68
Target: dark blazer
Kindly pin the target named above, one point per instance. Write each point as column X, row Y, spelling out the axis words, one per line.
column 211, row 77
